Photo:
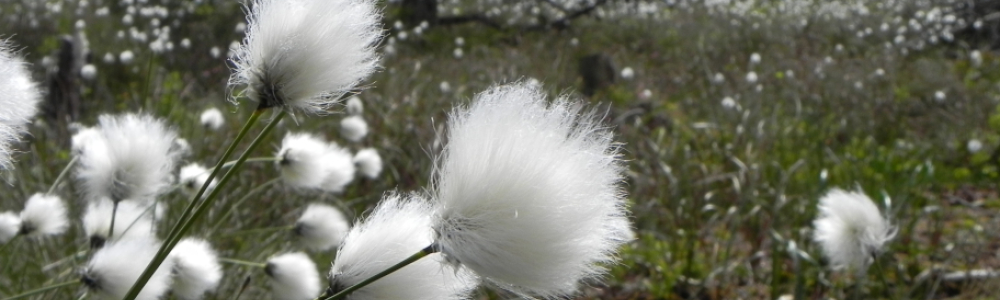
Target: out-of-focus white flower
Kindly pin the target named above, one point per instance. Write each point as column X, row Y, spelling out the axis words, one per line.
column 458, row 53
column 718, row 78
column 628, row 73
column 192, row 177
column 459, row 41
column 752, row 77
column 321, row 227
column 646, row 94
column 293, row 277
column 88, row 72
column 353, row 128
column 135, row 162
column 309, row 162
column 729, row 103
column 126, row 57
column 527, row 194
column 976, row 58
column 445, row 87
column 19, row 97
column 132, row 220
column 940, row 96
column 369, row 162
column 10, row 226
column 212, row 118
column 109, row 58
column 974, row 145
column 754, row 58
column 181, row 147
column 354, row 106
column 196, row 269
column 109, row 276
column 850, row 229
column 306, row 54
column 397, row 229
column 44, row 215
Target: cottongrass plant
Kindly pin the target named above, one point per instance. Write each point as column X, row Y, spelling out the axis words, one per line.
column 399, row 226
column 44, row 215
column 10, row 226
column 293, row 276
column 353, row 128
column 112, row 270
column 369, row 162
column 192, row 177
column 196, row 269
column 527, row 194
column 321, row 227
column 309, row 162
column 850, row 229
column 212, row 119
column 19, row 98
column 134, row 220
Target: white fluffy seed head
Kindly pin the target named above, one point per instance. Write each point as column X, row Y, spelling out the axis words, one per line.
column 309, row 162
column 293, row 277
column 192, row 177
column 44, row 215
column 212, row 119
column 354, row 106
column 398, row 228
column 135, row 162
column 113, row 269
column 321, row 227
column 10, row 226
column 196, row 269
column 527, row 193
column 85, row 137
column 353, row 128
column 133, row 220
column 19, row 97
column 306, row 54
column 850, row 229
column 369, row 162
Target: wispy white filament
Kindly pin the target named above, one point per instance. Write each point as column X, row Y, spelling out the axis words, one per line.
column 353, row 128
column 309, row 162
column 10, row 226
column 196, row 269
column 321, row 227
column 135, row 162
column 212, row 118
column 306, row 54
column 850, row 229
column 369, row 162
column 398, row 228
column 19, row 97
column 293, row 277
column 132, row 220
column 44, row 215
column 114, row 268
column 527, row 193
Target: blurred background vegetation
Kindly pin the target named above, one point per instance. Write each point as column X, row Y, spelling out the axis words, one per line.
column 735, row 117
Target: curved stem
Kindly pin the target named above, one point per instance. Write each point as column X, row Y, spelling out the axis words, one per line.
column 62, row 174
column 176, row 230
column 41, row 290
column 409, row 260
column 242, row 262
column 253, row 159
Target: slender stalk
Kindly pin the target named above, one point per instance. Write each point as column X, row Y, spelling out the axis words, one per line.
column 409, row 260
column 246, row 283
column 242, row 262
column 233, row 207
column 62, row 175
column 263, row 230
column 114, row 211
column 176, row 230
column 253, row 159
column 42, row 290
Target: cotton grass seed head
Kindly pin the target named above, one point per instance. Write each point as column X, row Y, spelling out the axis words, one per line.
column 196, row 269
column 527, row 193
column 398, row 228
column 353, row 128
column 19, row 97
column 369, row 162
column 132, row 220
column 293, row 277
column 192, row 177
column 309, row 162
column 136, row 161
column 850, row 229
column 354, row 106
column 321, row 227
column 304, row 55
column 212, row 119
column 10, row 226
column 44, row 215
column 112, row 270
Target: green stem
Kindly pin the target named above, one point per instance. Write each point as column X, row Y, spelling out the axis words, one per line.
column 176, row 230
column 263, row 230
column 62, row 174
column 253, row 159
column 409, row 260
column 232, row 208
column 242, row 262
column 42, row 290
column 114, row 211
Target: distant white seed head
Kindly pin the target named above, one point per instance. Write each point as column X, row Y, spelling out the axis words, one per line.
column 718, row 78
column 850, row 229
column 628, row 73
column 109, row 58
column 354, row 106
column 369, row 162
column 398, row 228
column 88, row 72
column 10, row 226
column 212, row 119
column 44, row 215
column 196, row 269
column 527, row 193
column 729, row 103
column 752, row 77
column 754, row 58
column 974, row 145
column 309, row 162
column 976, row 58
column 458, row 53
column 113, row 269
column 445, row 87
column 192, row 177
column 132, row 220
column 126, row 57
column 19, row 98
column 353, row 128
column 293, row 276
column 136, row 160
column 321, row 227
column 304, row 55
column 940, row 96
